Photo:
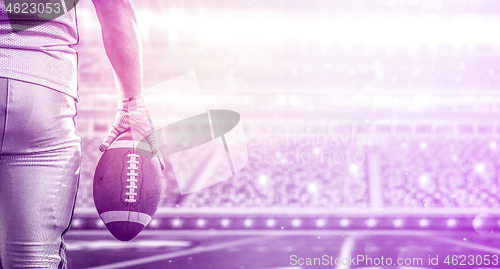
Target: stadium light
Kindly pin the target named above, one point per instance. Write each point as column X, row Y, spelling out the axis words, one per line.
column 371, row 223
column 345, row 223
column 248, row 223
column 398, row 223
column 321, row 223
column 76, row 223
column 176, row 223
column 451, row 223
column 154, row 223
column 262, row 179
column 225, row 223
column 424, row 223
column 219, row 28
column 270, row 223
column 296, row 223
column 201, row 223
column 477, row 223
column 99, row 223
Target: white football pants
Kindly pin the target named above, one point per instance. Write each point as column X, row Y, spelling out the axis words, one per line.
column 39, row 171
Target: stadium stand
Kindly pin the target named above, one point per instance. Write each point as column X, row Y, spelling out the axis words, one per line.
column 432, row 108
column 440, row 173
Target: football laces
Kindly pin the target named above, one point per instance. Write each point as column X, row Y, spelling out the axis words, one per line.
column 132, row 177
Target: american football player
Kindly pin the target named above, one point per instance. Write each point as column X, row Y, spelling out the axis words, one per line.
column 39, row 148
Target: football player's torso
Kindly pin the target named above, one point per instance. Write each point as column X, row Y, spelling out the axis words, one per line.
column 35, row 36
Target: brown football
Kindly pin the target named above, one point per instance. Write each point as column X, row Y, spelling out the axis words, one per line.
column 127, row 186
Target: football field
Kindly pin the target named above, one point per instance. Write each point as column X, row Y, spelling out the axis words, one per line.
column 260, row 249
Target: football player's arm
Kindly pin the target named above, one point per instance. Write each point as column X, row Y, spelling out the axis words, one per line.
column 123, row 46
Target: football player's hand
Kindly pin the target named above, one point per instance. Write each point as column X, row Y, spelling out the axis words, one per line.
column 133, row 116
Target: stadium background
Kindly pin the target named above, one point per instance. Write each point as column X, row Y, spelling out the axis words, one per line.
column 388, row 110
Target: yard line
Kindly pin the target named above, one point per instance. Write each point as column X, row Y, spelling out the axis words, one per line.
column 115, row 244
column 190, row 233
column 181, row 253
column 346, row 252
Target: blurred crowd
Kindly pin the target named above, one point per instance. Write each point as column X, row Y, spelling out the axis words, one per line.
column 416, row 172
column 317, row 178
column 440, row 172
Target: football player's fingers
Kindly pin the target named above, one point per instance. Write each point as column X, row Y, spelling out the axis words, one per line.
column 143, row 126
column 160, row 159
column 113, row 133
column 155, row 142
column 120, row 125
column 151, row 138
